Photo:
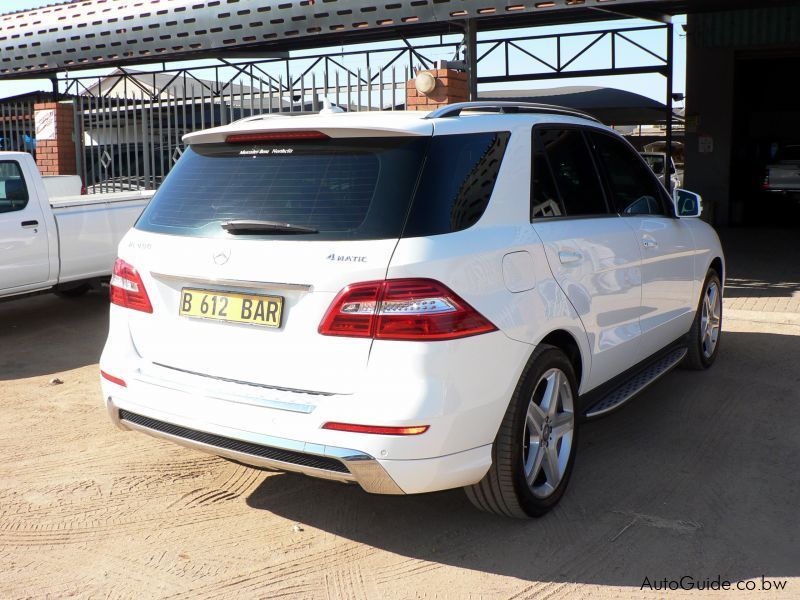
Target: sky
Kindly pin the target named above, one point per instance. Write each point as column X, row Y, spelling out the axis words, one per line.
column 653, row 86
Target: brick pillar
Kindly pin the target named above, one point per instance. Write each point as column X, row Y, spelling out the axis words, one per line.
column 451, row 87
column 55, row 138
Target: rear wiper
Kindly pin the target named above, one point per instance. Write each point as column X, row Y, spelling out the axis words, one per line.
column 244, row 226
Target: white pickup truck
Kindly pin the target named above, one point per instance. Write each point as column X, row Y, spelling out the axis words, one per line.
column 61, row 244
column 783, row 175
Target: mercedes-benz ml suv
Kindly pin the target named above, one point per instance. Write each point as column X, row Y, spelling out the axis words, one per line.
column 408, row 301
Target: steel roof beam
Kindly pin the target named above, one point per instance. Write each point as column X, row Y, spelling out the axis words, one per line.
column 96, row 33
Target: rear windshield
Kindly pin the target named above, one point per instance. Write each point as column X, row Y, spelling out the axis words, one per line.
column 346, row 189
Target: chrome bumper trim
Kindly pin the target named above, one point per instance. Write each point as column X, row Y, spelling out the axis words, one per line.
column 364, row 469
column 235, row 283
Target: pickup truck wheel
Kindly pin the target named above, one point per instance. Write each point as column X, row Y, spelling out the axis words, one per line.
column 74, row 292
column 533, row 453
column 706, row 332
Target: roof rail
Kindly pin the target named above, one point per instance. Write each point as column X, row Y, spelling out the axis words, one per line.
column 504, row 107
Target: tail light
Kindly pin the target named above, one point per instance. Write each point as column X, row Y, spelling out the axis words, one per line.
column 127, row 288
column 765, row 183
column 402, row 309
column 83, row 190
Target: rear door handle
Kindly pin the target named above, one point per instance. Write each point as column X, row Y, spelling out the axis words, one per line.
column 569, row 256
column 29, row 224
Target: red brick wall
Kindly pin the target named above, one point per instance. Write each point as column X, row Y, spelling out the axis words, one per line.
column 451, row 87
column 57, row 157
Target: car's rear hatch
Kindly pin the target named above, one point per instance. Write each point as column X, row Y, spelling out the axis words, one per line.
column 197, row 237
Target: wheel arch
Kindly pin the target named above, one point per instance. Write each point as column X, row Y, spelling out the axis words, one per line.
column 566, row 342
column 719, row 266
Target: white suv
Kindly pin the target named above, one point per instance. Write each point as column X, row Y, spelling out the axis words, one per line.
column 409, row 301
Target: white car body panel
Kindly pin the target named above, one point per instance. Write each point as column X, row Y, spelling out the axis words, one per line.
column 597, row 264
column 26, row 253
column 76, row 237
column 668, row 296
column 616, row 301
column 302, row 359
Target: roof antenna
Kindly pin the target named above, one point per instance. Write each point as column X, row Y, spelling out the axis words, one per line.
column 328, row 108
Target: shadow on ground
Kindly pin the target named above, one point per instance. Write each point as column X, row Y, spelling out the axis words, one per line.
column 761, row 263
column 47, row 334
column 698, row 476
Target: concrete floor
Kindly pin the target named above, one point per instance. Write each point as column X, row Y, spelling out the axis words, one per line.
column 698, row 477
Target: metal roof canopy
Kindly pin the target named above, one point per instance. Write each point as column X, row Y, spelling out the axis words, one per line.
column 610, row 105
column 95, row 33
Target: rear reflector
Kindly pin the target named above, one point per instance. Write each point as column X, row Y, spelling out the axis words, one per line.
column 275, row 136
column 113, row 379
column 127, row 288
column 402, row 309
column 377, row 429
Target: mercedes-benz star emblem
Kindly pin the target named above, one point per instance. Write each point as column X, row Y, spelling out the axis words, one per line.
column 221, row 255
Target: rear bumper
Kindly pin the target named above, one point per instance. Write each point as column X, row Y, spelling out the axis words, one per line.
column 460, row 389
column 358, row 466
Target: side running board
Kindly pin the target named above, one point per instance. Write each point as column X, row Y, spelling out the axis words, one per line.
column 636, row 384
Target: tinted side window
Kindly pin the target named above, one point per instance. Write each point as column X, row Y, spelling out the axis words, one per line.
column 634, row 189
column 545, row 201
column 13, row 191
column 457, row 182
column 573, row 171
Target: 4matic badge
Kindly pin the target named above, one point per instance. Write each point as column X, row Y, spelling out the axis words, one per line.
column 333, row 257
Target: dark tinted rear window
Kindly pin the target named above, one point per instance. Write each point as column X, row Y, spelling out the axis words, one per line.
column 345, row 188
column 456, row 183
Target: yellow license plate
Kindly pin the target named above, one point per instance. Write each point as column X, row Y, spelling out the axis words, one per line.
column 226, row 306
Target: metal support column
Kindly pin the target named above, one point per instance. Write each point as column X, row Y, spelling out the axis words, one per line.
column 471, row 58
column 670, row 66
column 77, row 134
column 54, row 82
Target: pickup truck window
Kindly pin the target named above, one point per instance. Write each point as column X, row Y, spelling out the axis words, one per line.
column 344, row 188
column 13, row 191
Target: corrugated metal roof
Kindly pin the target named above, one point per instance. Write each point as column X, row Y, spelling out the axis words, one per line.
column 756, row 27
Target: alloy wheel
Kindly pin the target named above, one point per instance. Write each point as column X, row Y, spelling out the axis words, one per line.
column 548, row 434
column 710, row 319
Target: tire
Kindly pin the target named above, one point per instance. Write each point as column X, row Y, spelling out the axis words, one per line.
column 505, row 490
column 698, row 356
column 74, row 292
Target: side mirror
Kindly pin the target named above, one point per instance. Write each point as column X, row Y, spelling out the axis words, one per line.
column 687, row 204
column 658, row 168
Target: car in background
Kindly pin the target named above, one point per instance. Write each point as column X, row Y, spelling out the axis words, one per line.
column 656, row 161
column 52, row 238
column 783, row 175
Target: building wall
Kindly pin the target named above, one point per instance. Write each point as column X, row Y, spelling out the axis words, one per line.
column 715, row 40
column 709, row 113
